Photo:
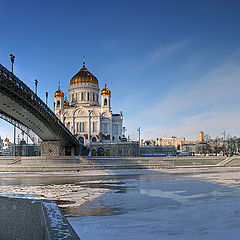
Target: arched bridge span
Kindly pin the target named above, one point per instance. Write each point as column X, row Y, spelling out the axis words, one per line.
column 19, row 103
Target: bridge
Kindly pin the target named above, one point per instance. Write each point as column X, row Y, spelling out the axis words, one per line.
column 20, row 106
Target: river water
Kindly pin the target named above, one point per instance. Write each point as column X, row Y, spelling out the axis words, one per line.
column 140, row 204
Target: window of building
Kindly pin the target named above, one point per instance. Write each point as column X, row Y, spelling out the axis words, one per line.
column 58, row 103
column 94, row 127
column 82, row 96
column 72, row 97
column 88, row 96
column 105, row 127
column 83, row 127
column 93, row 97
column 116, row 129
column 105, row 102
column 77, row 127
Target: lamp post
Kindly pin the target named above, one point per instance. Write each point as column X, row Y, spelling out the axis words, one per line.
column 89, row 126
column 46, row 98
column 12, row 58
column 139, row 132
column 36, row 84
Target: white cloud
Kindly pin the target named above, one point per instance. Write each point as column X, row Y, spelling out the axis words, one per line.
column 208, row 103
column 162, row 53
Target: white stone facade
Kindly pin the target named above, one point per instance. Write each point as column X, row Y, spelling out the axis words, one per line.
column 89, row 120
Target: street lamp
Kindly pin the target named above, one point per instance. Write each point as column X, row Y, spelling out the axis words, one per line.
column 89, row 125
column 36, row 84
column 46, row 98
column 139, row 139
column 12, row 58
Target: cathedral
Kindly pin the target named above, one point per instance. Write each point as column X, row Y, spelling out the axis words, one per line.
column 90, row 121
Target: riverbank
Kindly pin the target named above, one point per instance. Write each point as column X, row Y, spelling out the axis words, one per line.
column 76, row 163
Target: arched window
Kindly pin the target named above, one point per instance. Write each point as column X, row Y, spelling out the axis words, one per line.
column 105, row 102
column 88, row 96
column 58, row 103
column 81, row 96
column 100, row 151
column 107, row 152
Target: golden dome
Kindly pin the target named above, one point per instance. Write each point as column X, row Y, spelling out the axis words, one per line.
column 105, row 91
column 84, row 76
column 59, row 92
column 6, row 140
column 65, row 103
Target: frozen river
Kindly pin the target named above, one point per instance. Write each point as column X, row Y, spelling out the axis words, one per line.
column 140, row 204
column 188, row 205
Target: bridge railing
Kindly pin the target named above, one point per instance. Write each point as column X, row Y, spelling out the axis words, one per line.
column 29, row 93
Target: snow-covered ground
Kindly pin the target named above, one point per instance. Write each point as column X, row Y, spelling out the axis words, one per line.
column 201, row 203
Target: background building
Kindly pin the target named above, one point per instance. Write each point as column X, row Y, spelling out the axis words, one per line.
column 150, row 151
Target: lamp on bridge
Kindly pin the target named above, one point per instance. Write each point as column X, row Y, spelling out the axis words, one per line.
column 36, row 83
column 46, row 97
column 12, row 58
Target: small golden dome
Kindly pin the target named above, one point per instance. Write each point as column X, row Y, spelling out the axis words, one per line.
column 65, row 103
column 59, row 92
column 6, row 140
column 84, row 76
column 105, row 91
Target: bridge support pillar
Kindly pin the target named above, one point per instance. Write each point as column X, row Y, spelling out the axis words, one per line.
column 52, row 148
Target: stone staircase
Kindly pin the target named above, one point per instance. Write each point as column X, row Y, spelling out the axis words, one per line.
column 226, row 161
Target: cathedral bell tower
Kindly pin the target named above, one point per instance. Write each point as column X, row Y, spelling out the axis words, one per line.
column 58, row 102
column 105, row 99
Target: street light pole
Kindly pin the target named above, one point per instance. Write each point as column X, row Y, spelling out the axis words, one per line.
column 36, row 84
column 46, row 98
column 139, row 139
column 12, row 58
column 89, row 126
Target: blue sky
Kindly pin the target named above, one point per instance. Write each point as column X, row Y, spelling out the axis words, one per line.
column 173, row 66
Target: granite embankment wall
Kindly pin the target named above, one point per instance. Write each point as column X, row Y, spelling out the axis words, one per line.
column 25, row 219
column 50, row 164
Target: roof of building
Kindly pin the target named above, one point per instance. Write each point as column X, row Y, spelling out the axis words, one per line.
column 59, row 92
column 84, row 76
column 65, row 103
column 105, row 91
